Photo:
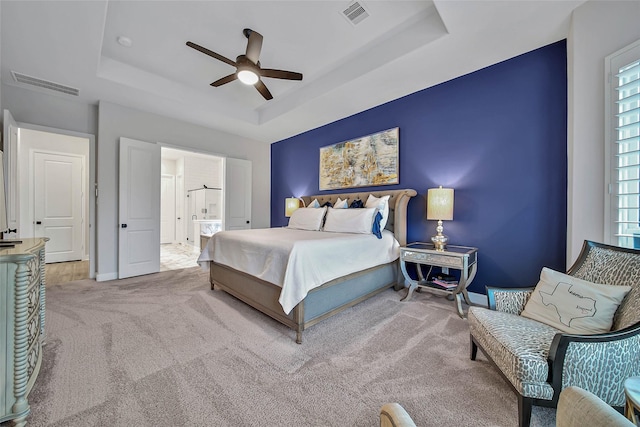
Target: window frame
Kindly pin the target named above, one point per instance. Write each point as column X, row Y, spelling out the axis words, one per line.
column 628, row 54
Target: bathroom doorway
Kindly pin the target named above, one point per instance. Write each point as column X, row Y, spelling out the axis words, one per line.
column 192, row 186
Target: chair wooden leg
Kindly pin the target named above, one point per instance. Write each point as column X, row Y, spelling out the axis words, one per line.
column 473, row 348
column 524, row 411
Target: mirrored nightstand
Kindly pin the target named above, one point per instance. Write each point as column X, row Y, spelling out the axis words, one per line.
column 461, row 258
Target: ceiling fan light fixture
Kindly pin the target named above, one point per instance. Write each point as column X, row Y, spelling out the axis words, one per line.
column 248, row 69
column 247, row 77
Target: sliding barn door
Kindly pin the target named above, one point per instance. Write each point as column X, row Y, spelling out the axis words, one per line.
column 139, row 235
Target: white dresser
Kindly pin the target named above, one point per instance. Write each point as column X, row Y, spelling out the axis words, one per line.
column 22, row 305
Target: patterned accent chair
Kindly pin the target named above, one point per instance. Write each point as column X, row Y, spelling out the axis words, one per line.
column 539, row 361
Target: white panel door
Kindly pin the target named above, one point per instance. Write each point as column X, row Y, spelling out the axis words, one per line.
column 57, row 203
column 139, row 209
column 168, row 209
column 10, row 138
column 237, row 191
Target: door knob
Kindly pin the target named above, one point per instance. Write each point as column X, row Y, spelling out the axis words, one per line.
column 38, row 222
column 123, row 225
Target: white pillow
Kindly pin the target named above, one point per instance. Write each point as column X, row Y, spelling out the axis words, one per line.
column 574, row 305
column 341, row 204
column 314, row 204
column 307, row 219
column 382, row 204
column 357, row 221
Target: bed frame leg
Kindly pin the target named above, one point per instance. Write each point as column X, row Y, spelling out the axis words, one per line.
column 298, row 317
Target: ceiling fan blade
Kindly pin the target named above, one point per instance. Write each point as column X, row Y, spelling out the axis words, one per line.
column 225, row 80
column 211, row 53
column 280, row 74
column 254, row 45
column 263, row 90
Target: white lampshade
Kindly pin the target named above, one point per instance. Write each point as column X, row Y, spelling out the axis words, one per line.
column 290, row 205
column 440, row 203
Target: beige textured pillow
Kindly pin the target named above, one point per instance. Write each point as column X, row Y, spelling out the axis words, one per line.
column 574, row 305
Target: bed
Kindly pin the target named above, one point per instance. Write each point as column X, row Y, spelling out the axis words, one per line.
column 330, row 297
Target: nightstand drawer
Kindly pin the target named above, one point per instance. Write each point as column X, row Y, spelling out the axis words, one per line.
column 433, row 259
column 411, row 256
column 445, row 261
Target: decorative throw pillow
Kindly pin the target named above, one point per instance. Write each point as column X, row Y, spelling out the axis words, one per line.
column 382, row 204
column 574, row 305
column 307, row 219
column 357, row 204
column 314, row 204
column 358, row 221
column 375, row 228
column 327, row 204
column 341, row 204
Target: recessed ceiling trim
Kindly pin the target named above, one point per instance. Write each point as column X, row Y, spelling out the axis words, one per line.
column 355, row 12
column 45, row 84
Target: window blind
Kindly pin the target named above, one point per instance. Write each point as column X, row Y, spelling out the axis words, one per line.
column 627, row 143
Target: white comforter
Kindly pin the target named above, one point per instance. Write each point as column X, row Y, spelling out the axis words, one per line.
column 298, row 260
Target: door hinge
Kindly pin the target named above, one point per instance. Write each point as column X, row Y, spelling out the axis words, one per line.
column 95, row 189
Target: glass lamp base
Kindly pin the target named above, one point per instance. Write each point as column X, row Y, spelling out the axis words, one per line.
column 440, row 241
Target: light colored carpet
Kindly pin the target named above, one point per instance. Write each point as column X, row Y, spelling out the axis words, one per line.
column 165, row 350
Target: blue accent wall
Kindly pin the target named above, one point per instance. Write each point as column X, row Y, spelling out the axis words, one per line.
column 498, row 136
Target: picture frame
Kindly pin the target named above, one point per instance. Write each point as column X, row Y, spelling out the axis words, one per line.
column 367, row 161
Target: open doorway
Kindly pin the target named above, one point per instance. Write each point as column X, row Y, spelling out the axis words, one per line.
column 186, row 221
column 51, row 172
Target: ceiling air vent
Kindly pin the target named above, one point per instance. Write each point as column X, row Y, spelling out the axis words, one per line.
column 33, row 81
column 355, row 12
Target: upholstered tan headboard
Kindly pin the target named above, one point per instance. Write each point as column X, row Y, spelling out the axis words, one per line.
column 397, row 222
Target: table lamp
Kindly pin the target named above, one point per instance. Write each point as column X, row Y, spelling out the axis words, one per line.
column 440, row 207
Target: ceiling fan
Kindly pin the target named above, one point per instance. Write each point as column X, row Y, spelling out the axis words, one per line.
column 248, row 69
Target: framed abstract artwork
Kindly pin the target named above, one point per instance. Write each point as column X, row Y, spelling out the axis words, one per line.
column 362, row 162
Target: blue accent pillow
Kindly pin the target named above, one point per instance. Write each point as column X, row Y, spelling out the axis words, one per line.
column 376, row 225
column 356, row 204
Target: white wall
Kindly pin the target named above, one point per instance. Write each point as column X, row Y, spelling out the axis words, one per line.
column 598, row 29
column 199, row 172
column 1, row 107
column 116, row 121
column 56, row 111
column 168, row 167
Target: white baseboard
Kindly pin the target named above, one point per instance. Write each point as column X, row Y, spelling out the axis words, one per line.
column 107, row 276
